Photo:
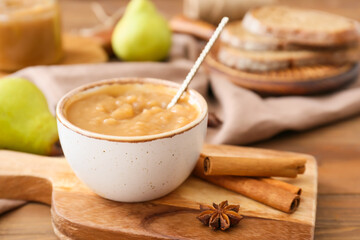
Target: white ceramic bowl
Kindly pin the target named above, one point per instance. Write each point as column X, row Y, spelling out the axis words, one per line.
column 132, row 169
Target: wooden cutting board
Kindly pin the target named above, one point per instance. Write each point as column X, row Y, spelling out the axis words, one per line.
column 77, row 213
column 292, row 81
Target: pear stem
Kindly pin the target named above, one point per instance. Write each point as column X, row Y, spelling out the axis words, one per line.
column 198, row 62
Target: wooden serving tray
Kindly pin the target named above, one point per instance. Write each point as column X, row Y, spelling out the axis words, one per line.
column 77, row 213
column 292, row 81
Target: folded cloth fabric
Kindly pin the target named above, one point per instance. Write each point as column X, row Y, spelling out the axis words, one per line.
column 246, row 117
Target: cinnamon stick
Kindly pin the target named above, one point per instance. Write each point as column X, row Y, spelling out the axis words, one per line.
column 284, row 185
column 256, row 189
column 239, row 161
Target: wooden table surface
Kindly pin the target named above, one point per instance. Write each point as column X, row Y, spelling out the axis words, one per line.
column 336, row 146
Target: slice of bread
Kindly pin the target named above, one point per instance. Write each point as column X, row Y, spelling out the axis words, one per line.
column 263, row 61
column 301, row 26
column 235, row 35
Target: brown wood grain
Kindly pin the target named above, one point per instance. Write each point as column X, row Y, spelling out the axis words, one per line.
column 31, row 221
column 334, row 146
column 338, row 217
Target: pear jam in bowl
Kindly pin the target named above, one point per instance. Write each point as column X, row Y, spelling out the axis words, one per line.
column 122, row 141
column 30, row 33
column 132, row 109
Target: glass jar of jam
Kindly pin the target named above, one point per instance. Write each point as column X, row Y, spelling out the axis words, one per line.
column 30, row 33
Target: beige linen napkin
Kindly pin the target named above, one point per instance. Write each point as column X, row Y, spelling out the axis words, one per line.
column 246, row 117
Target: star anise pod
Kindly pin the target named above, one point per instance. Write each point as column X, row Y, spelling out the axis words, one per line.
column 220, row 216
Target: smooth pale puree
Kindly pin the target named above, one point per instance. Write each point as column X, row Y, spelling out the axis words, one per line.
column 132, row 109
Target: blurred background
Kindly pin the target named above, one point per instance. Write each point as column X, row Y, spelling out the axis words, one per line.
column 78, row 13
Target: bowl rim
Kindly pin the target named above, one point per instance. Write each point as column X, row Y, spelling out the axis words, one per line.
column 62, row 119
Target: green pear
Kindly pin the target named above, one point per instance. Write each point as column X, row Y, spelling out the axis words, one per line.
column 26, row 123
column 142, row 34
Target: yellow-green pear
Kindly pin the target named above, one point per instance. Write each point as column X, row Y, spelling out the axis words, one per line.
column 26, row 123
column 142, row 34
